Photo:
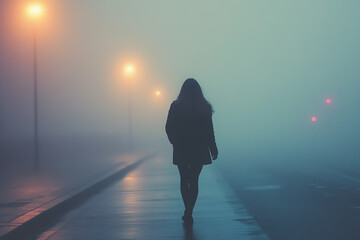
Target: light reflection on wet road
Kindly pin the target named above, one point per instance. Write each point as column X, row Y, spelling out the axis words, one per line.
column 147, row 204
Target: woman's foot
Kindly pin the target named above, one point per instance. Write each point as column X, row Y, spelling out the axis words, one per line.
column 187, row 217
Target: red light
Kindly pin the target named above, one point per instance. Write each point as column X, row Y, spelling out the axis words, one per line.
column 313, row 119
column 328, row 100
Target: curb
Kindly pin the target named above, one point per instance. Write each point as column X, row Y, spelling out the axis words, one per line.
column 45, row 217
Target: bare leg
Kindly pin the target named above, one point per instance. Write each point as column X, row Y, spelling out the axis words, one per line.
column 194, row 171
column 184, row 185
column 189, row 179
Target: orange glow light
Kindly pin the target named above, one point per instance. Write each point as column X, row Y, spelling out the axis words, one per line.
column 313, row 119
column 157, row 93
column 35, row 10
column 129, row 178
column 129, row 69
column 328, row 100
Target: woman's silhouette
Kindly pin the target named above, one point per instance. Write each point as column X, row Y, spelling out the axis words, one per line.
column 190, row 130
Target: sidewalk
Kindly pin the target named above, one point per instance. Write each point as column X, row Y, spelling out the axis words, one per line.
column 147, row 204
column 27, row 195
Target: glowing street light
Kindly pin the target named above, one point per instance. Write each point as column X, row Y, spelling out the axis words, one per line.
column 328, row 100
column 129, row 71
column 314, row 119
column 158, row 93
column 35, row 11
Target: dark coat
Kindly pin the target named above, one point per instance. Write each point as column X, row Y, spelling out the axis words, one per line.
column 190, row 131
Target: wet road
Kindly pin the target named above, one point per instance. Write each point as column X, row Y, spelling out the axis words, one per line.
column 255, row 201
column 147, row 204
column 300, row 202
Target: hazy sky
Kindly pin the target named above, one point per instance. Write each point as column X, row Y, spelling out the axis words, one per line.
column 266, row 66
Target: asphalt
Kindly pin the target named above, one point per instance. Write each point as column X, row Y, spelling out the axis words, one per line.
column 32, row 202
column 146, row 204
column 304, row 202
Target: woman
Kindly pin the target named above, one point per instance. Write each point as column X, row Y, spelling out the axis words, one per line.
column 190, row 130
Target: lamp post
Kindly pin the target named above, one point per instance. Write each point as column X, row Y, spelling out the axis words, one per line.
column 129, row 71
column 35, row 11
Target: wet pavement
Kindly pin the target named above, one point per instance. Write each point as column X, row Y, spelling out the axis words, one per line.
column 147, row 204
column 26, row 195
column 299, row 203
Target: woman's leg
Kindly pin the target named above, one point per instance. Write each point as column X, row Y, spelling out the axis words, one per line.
column 184, row 185
column 194, row 172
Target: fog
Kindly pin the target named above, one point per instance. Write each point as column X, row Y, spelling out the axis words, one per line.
column 267, row 67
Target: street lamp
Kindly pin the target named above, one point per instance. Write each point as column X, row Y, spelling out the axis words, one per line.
column 129, row 71
column 35, row 11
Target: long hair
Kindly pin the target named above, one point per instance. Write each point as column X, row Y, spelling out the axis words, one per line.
column 192, row 94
